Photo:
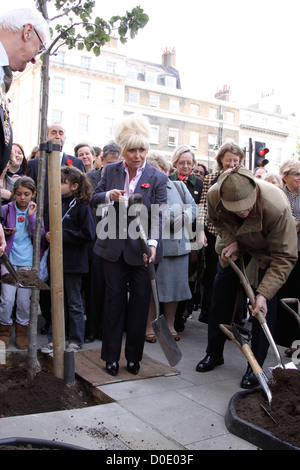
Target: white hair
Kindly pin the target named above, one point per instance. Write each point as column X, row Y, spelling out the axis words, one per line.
column 15, row 19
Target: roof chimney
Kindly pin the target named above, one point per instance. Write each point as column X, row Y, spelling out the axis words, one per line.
column 169, row 58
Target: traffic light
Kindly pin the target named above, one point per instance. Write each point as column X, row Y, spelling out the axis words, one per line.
column 260, row 153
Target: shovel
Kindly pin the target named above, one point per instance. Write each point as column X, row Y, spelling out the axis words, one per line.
column 260, row 316
column 159, row 325
column 15, row 279
column 234, row 333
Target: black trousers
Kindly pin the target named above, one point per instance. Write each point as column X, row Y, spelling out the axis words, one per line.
column 127, row 298
column 226, row 285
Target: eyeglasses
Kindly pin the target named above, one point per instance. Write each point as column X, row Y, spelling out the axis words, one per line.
column 294, row 174
column 43, row 46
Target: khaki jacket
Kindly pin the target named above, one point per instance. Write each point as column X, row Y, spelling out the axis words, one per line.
column 268, row 234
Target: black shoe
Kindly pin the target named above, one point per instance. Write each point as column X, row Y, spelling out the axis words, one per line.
column 249, row 380
column 112, row 368
column 89, row 339
column 133, row 367
column 209, row 363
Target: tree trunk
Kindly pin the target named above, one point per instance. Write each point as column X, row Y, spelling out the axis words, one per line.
column 33, row 363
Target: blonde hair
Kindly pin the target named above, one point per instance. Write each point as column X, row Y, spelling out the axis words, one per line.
column 270, row 176
column 180, row 150
column 133, row 132
column 289, row 166
column 158, row 160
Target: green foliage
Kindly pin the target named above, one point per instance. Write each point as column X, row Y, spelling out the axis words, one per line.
column 75, row 27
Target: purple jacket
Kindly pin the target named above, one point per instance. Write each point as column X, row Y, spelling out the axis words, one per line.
column 9, row 221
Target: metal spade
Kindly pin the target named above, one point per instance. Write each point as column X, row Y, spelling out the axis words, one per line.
column 159, row 325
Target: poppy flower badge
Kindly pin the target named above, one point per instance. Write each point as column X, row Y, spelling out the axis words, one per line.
column 21, row 218
column 145, row 186
column 69, row 162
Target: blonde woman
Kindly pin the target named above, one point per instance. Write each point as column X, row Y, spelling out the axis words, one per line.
column 121, row 253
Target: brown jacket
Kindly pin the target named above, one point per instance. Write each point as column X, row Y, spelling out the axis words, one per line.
column 268, row 233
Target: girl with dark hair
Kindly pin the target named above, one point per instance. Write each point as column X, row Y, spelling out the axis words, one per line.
column 78, row 230
column 19, row 217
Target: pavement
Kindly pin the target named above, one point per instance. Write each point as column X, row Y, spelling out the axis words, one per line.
column 183, row 412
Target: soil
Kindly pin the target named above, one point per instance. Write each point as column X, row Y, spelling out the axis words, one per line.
column 284, row 408
column 20, row 395
column 27, row 278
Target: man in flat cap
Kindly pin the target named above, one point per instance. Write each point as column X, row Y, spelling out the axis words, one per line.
column 253, row 219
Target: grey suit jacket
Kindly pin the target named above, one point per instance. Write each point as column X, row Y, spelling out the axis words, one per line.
column 116, row 233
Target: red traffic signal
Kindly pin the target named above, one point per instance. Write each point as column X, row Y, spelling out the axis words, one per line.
column 262, row 152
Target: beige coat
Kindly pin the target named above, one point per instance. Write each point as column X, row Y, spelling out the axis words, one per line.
column 268, row 233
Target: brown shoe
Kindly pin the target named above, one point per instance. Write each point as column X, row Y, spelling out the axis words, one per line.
column 21, row 336
column 5, row 332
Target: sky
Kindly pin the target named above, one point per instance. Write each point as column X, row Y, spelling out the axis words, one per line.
column 250, row 46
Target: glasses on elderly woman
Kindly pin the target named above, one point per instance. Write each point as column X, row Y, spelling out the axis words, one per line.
column 294, row 173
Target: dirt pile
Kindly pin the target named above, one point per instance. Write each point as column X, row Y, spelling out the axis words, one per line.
column 284, row 409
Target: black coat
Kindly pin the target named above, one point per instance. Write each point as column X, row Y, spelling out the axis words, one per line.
column 5, row 150
column 32, row 171
column 78, row 231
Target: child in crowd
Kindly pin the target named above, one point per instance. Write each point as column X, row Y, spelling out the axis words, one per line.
column 78, row 229
column 19, row 217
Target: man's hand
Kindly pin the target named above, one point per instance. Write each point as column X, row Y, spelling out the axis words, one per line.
column 260, row 304
column 231, row 251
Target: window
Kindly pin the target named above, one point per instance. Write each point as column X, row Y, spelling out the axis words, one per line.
column 108, row 127
column 230, row 116
column 195, row 109
column 83, row 123
column 59, row 57
column 170, row 82
column 213, row 113
column 278, row 155
column 111, row 67
column 150, row 77
column 154, row 101
column 131, row 73
column 174, row 105
column 56, row 116
column 194, row 139
column 110, row 95
column 58, row 85
column 85, row 62
column 212, row 141
column 85, row 89
column 133, row 97
column 154, row 134
column 173, row 137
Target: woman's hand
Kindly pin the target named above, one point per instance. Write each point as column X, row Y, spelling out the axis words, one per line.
column 116, row 195
column 152, row 256
column 47, row 236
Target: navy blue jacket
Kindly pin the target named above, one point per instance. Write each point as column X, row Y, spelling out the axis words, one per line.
column 78, row 231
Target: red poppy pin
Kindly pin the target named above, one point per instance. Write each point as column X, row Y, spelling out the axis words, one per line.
column 145, row 185
column 69, row 162
column 21, row 218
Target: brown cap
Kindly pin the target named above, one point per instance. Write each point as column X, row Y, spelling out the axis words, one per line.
column 237, row 189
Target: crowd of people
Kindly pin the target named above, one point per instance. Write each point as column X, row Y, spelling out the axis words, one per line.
column 194, row 221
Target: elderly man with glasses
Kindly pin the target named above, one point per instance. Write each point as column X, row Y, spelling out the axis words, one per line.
column 24, row 34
